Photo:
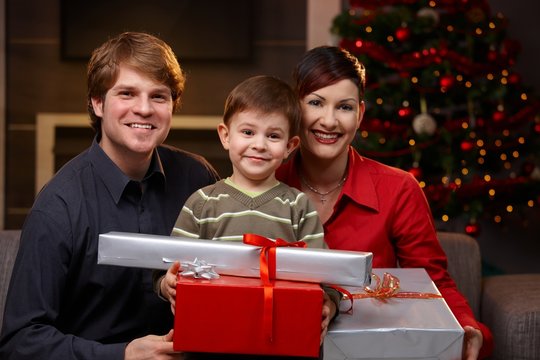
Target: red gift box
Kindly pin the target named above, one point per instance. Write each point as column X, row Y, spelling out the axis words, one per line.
column 225, row 315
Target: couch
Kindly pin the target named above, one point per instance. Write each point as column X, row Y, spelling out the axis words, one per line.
column 9, row 245
column 508, row 304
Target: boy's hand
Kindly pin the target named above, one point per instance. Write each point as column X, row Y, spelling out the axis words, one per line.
column 167, row 287
column 328, row 312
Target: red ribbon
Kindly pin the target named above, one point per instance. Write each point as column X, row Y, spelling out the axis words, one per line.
column 346, row 295
column 268, row 272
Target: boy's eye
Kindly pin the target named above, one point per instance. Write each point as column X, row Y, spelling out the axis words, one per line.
column 274, row 136
column 247, row 132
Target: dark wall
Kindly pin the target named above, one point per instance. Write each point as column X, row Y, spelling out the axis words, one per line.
column 39, row 79
column 523, row 26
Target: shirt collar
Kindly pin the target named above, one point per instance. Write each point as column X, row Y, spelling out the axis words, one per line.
column 113, row 178
column 360, row 185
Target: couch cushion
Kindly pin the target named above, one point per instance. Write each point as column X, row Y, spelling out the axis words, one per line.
column 9, row 245
column 513, row 315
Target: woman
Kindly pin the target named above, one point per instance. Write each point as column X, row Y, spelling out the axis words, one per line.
column 365, row 205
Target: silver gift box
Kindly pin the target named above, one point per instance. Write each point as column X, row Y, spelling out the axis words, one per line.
column 340, row 267
column 399, row 328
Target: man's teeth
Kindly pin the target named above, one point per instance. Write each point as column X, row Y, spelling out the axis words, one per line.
column 141, row 126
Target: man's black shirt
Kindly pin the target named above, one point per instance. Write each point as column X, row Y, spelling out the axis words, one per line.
column 61, row 304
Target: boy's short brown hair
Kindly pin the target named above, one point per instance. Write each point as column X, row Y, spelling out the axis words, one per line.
column 140, row 51
column 266, row 95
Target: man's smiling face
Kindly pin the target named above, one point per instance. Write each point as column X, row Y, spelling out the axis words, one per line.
column 136, row 115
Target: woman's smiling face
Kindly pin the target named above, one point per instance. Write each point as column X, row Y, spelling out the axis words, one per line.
column 331, row 116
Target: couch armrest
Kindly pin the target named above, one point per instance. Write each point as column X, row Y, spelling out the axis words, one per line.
column 9, row 246
column 464, row 265
column 511, row 308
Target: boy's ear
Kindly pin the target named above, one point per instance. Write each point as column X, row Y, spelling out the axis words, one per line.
column 223, row 132
column 291, row 145
column 97, row 105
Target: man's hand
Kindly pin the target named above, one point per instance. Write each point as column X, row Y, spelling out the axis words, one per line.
column 167, row 286
column 152, row 347
column 472, row 342
column 328, row 312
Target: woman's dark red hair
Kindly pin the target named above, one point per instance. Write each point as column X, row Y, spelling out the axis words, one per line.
column 326, row 65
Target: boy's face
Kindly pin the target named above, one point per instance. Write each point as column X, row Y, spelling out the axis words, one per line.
column 257, row 144
column 136, row 116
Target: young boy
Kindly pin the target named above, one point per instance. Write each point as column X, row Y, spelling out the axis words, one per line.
column 260, row 125
column 261, row 120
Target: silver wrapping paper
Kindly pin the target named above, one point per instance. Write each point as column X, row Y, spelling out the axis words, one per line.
column 398, row 329
column 340, row 267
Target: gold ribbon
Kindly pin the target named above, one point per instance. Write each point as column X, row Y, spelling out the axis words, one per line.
column 388, row 288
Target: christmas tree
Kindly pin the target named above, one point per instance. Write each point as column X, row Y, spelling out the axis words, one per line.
column 443, row 102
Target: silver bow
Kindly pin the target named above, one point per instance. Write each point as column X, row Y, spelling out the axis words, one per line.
column 198, row 269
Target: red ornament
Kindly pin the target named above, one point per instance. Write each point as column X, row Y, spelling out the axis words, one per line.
column 447, row 81
column 403, row 33
column 492, row 55
column 467, row 145
column 480, row 122
column 405, row 112
column 404, row 74
column 514, row 79
column 416, row 172
column 536, row 128
column 472, row 229
column 375, row 123
column 498, row 116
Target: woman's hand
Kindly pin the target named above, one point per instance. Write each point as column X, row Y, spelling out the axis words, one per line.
column 472, row 342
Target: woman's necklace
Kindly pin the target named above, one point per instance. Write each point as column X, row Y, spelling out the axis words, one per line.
column 321, row 194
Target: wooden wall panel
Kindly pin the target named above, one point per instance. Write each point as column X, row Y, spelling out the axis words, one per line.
column 39, row 81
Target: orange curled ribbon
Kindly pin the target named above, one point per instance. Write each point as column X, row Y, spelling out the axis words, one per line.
column 389, row 288
column 268, row 272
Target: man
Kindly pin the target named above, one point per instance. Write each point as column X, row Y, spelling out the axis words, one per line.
column 61, row 304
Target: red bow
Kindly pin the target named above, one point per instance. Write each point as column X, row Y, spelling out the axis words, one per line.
column 268, row 272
